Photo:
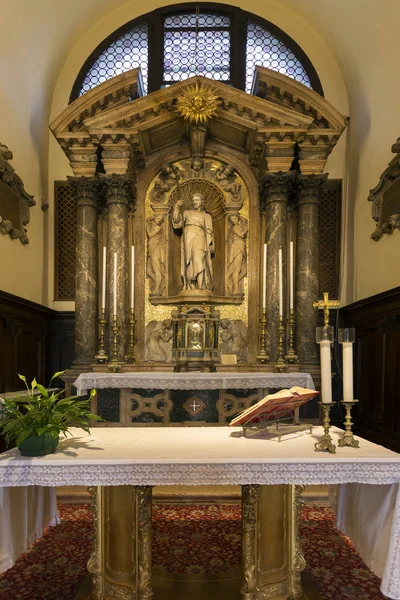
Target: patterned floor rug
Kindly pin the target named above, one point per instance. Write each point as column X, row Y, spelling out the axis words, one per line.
column 202, row 539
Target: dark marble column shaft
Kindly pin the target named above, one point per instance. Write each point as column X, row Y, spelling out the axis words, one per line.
column 119, row 193
column 86, row 301
column 276, row 190
column 307, row 281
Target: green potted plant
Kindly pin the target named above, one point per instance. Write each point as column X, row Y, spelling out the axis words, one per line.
column 34, row 421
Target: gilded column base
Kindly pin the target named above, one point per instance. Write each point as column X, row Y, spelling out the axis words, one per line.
column 120, row 563
column 272, row 560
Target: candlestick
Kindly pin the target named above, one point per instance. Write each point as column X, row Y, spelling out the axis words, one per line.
column 325, row 444
column 291, row 280
column 291, row 356
column 133, row 277
column 130, row 357
column 263, row 356
column 264, row 271
column 114, row 364
column 348, row 438
column 103, row 285
column 101, row 356
column 115, row 285
column 281, row 365
column 280, row 283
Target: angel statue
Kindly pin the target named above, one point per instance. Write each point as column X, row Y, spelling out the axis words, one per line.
column 237, row 252
column 155, row 266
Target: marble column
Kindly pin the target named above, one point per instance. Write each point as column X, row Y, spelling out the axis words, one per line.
column 307, row 264
column 276, row 190
column 118, row 194
column 86, row 301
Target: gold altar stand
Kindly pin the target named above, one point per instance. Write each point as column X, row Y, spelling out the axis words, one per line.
column 272, row 561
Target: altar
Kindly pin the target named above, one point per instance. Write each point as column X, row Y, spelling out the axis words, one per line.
column 162, row 398
column 122, row 464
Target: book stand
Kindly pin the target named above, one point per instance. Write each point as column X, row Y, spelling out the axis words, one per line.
column 276, row 426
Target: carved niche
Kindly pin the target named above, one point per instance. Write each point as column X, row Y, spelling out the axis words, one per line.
column 14, row 200
column 218, row 218
column 385, row 197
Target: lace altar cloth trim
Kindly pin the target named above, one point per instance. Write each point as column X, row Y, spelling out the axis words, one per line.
column 192, row 381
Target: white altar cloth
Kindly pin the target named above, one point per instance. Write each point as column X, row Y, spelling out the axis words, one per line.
column 24, row 514
column 210, row 456
column 192, row 381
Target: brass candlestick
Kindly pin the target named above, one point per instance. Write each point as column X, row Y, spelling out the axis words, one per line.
column 325, row 444
column 263, row 356
column 348, row 437
column 291, row 356
column 130, row 357
column 101, row 356
column 281, row 365
column 114, row 364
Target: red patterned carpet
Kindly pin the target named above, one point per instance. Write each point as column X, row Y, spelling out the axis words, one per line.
column 201, row 539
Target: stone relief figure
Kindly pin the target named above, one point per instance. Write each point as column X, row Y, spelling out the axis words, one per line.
column 159, row 335
column 226, row 178
column 197, row 244
column 155, row 267
column 233, row 337
column 165, row 182
column 237, row 253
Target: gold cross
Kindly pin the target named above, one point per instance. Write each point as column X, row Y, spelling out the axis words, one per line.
column 326, row 304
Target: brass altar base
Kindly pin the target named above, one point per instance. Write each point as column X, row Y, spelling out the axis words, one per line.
column 263, row 356
column 348, row 438
column 325, row 444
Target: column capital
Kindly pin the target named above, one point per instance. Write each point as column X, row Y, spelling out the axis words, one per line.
column 275, row 187
column 309, row 187
column 86, row 189
column 119, row 188
column 82, row 155
column 115, row 156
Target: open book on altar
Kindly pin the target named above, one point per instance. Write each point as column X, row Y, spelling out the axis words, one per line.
column 274, row 406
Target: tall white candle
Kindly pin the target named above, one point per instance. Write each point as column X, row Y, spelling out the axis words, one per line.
column 326, row 374
column 133, row 277
column 280, row 284
column 115, row 285
column 347, row 371
column 291, row 280
column 264, row 290
column 103, row 284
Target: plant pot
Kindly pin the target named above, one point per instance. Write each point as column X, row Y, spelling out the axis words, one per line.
column 38, row 445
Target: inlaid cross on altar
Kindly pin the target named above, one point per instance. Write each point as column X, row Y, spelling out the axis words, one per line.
column 326, row 304
column 193, row 406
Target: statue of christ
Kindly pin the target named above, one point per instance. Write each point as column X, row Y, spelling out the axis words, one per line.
column 197, row 244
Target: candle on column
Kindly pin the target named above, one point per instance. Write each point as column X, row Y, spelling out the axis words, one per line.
column 103, row 288
column 280, row 283
column 347, row 371
column 115, row 285
column 133, row 277
column 264, row 290
column 291, row 280
column 326, row 374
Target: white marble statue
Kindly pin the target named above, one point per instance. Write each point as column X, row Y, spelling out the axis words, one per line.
column 155, row 267
column 197, row 244
column 237, row 253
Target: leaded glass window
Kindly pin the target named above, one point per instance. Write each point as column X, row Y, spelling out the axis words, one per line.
column 221, row 42
column 265, row 49
column 130, row 51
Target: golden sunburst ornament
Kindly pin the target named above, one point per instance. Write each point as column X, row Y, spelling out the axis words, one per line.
column 198, row 103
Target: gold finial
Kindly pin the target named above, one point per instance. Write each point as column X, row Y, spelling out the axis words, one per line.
column 326, row 304
column 198, row 103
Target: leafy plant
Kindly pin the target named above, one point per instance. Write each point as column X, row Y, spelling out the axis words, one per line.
column 41, row 412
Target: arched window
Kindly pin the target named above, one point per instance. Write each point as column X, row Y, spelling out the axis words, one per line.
column 174, row 43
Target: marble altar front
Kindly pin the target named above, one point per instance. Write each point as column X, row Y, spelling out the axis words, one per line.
column 162, row 398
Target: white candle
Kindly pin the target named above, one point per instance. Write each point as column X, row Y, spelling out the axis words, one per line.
column 326, row 375
column 347, row 371
column 115, row 284
column 264, row 290
column 280, row 284
column 133, row 277
column 291, row 280
column 103, row 288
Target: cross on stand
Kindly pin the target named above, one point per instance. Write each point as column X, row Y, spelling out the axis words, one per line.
column 326, row 304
